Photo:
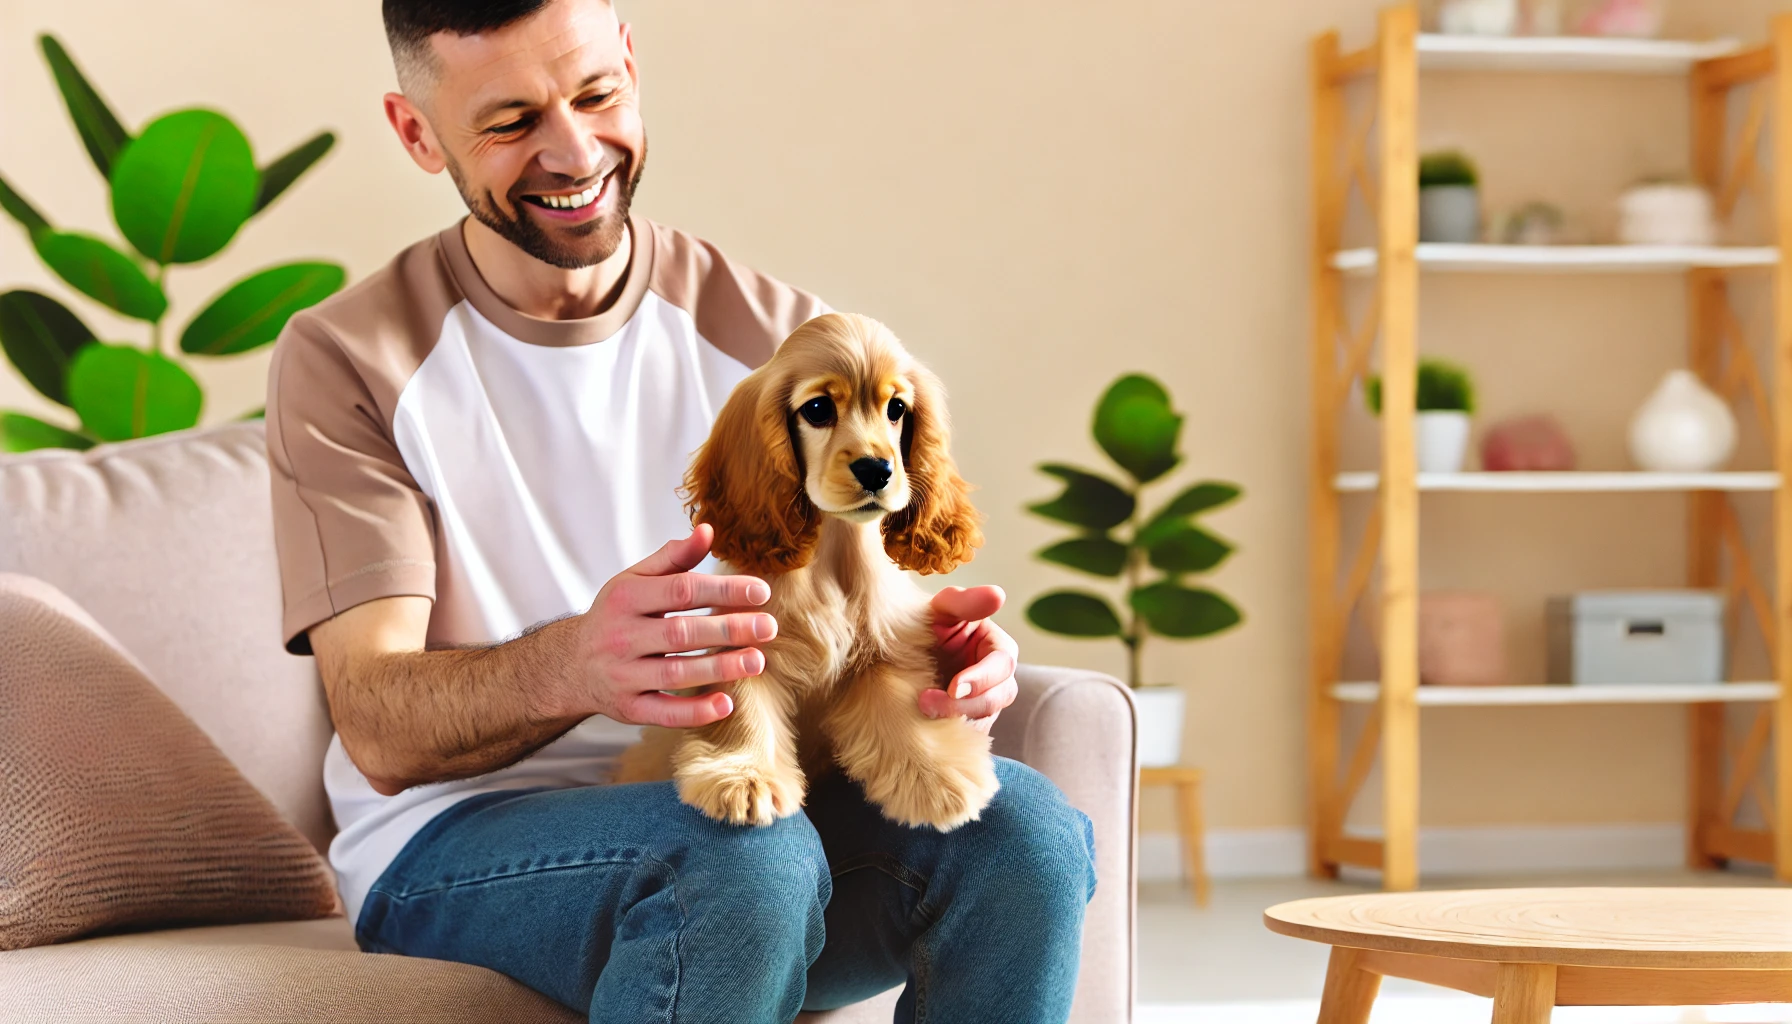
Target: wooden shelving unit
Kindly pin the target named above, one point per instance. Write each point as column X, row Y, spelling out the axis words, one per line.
column 1387, row 186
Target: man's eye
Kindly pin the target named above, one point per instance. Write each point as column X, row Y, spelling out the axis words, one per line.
column 818, row 412
column 596, row 101
column 896, row 409
column 508, row 128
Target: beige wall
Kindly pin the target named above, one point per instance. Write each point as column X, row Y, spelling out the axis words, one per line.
column 1038, row 196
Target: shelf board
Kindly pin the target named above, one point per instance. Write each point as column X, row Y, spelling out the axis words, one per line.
column 1570, row 482
column 1566, row 53
column 1566, row 259
column 1638, row 693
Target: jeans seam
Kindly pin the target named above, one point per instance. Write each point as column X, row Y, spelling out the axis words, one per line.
column 677, row 933
column 503, row 873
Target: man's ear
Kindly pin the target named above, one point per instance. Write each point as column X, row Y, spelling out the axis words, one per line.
column 414, row 133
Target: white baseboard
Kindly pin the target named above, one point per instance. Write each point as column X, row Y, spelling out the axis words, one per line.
column 1451, row 850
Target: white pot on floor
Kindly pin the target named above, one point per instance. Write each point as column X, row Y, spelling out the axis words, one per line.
column 1160, row 725
column 1442, row 441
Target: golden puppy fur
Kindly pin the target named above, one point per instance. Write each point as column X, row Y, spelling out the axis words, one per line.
column 855, row 640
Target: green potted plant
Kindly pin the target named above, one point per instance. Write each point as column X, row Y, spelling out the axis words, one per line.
column 180, row 188
column 1152, row 555
column 1449, row 198
column 1444, row 407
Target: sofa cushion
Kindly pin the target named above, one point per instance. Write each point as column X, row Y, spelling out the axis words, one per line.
column 117, row 810
column 169, row 543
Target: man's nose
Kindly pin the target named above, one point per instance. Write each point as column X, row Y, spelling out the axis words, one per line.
column 568, row 148
column 872, row 474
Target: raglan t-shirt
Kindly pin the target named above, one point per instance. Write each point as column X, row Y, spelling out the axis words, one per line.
column 427, row 439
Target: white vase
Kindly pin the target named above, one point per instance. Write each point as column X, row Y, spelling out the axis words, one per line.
column 1160, row 725
column 1441, row 440
column 1683, row 427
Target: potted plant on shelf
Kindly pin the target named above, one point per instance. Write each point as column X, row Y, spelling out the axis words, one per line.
column 1449, row 198
column 1138, row 430
column 1445, row 402
column 181, row 188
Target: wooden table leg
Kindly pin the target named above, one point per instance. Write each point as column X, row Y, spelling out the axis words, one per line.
column 1194, row 838
column 1349, row 990
column 1524, row 993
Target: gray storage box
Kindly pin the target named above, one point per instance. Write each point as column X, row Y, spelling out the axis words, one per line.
column 1607, row 637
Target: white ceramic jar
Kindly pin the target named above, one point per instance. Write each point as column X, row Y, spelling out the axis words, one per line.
column 1683, row 427
column 1666, row 215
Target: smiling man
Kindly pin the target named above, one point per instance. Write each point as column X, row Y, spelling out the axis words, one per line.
column 476, row 457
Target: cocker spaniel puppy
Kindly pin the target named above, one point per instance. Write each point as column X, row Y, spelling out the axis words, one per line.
column 827, row 474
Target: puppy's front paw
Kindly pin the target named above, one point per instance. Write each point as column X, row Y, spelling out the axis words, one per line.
column 941, row 795
column 739, row 795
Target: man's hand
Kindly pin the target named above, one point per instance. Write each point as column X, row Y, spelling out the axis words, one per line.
column 976, row 657
column 629, row 646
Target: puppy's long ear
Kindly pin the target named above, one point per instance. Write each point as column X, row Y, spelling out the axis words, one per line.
column 937, row 531
column 745, row 481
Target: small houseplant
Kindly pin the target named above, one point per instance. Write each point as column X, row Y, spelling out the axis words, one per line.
column 1449, row 198
column 181, row 188
column 1118, row 540
column 1445, row 403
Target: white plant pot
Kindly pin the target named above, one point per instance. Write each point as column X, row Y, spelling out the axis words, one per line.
column 1450, row 213
column 1441, row 440
column 1683, row 427
column 1160, row 725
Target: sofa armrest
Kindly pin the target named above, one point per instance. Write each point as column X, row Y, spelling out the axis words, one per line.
column 1078, row 728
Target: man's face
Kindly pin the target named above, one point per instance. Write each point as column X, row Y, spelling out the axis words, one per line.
column 540, row 127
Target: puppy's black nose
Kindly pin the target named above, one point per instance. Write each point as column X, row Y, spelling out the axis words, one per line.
column 872, row 474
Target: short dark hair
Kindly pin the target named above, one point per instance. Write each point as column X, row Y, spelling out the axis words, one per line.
column 410, row 23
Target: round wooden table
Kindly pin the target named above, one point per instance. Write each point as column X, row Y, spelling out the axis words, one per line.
column 1533, row 949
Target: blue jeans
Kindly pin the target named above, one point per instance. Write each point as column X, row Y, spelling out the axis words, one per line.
column 625, row 904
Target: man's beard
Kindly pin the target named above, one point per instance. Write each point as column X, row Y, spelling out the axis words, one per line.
column 578, row 245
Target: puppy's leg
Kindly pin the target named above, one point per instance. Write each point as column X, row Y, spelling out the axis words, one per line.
column 743, row 769
column 918, row 770
column 649, row 760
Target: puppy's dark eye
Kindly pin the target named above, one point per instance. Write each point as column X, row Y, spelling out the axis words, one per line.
column 818, row 412
column 896, row 409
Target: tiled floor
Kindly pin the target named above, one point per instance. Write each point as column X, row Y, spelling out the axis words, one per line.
column 1221, row 966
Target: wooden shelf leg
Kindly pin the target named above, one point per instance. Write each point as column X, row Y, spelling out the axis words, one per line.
column 1349, row 990
column 1524, row 993
column 1398, row 268
column 1323, row 817
column 1782, row 441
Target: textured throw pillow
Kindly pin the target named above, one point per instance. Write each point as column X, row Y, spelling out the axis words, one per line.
column 116, row 811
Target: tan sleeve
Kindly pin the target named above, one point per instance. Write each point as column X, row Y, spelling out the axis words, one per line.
column 350, row 523
column 738, row 310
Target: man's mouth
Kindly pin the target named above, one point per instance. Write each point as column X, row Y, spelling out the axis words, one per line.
column 570, row 200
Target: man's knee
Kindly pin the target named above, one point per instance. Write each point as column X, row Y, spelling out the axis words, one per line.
column 1034, row 839
column 781, row 863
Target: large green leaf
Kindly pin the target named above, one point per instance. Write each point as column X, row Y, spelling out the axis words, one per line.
column 1208, row 494
column 1189, row 549
column 1135, row 425
column 122, row 392
column 252, row 311
column 1089, row 501
column 41, row 337
column 18, row 209
column 1101, row 556
column 1073, row 613
column 278, row 176
column 97, row 270
column 22, row 433
column 1174, row 610
column 182, row 189
column 98, row 127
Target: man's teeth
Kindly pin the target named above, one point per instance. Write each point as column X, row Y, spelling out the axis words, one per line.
column 573, row 202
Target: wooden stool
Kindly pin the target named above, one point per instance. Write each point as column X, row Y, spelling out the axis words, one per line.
column 1188, row 814
column 1534, row 949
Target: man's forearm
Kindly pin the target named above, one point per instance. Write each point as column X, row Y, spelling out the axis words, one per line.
column 430, row 716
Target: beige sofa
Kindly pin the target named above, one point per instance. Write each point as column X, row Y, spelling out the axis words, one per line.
column 167, row 543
